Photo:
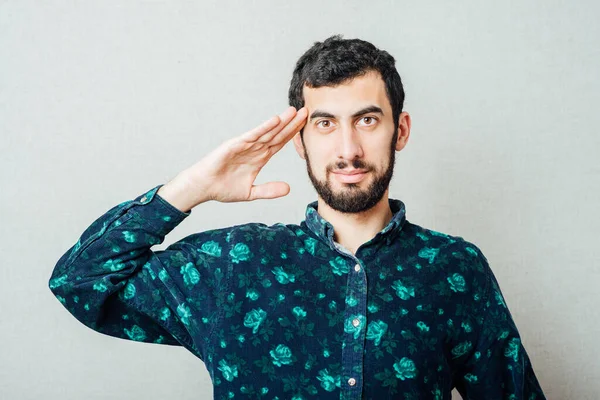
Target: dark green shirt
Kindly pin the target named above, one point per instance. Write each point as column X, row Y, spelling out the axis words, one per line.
column 284, row 312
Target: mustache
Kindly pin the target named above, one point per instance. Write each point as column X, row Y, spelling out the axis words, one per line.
column 356, row 164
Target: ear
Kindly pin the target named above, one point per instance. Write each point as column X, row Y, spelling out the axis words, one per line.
column 298, row 145
column 403, row 130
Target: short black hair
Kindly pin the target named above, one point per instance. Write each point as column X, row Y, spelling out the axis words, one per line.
column 338, row 60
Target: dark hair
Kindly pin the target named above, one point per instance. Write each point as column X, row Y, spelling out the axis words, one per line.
column 338, row 60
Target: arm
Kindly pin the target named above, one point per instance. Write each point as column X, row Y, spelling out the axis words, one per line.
column 112, row 282
column 496, row 364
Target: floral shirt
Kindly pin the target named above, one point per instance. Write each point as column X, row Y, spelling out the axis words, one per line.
column 285, row 312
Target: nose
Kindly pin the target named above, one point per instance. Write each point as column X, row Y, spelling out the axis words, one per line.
column 349, row 146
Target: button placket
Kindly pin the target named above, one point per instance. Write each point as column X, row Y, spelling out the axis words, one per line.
column 352, row 360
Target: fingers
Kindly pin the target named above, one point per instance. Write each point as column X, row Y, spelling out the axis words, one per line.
column 291, row 129
column 263, row 128
column 270, row 190
column 286, row 123
column 281, row 140
column 275, row 123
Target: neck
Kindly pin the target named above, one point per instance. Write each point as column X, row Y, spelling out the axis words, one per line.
column 352, row 230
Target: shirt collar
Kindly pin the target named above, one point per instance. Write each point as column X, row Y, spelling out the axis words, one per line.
column 324, row 229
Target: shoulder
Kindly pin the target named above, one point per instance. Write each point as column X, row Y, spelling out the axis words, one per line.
column 425, row 236
column 446, row 243
column 455, row 256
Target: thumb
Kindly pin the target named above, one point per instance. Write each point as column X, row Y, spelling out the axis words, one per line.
column 270, row 190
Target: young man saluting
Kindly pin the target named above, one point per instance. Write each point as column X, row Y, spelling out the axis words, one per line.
column 355, row 302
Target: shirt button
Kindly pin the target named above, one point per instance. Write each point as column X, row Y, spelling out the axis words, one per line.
column 356, row 322
column 143, row 199
column 351, row 381
column 357, row 267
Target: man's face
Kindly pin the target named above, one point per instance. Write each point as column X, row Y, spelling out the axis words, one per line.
column 341, row 138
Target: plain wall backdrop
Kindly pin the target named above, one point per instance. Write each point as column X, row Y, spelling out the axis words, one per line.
column 101, row 101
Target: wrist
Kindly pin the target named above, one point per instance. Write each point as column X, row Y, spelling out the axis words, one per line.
column 182, row 194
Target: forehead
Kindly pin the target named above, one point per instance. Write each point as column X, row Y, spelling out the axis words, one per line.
column 363, row 90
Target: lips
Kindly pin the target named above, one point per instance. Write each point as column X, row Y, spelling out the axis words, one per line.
column 350, row 176
column 353, row 172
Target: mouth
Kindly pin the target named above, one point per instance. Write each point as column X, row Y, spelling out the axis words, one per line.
column 351, row 176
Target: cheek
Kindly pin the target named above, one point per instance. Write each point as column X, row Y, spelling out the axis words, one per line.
column 317, row 156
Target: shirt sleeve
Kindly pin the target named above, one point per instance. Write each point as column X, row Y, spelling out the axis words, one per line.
column 112, row 282
column 495, row 364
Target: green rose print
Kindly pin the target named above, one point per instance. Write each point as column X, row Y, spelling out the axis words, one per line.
column 513, row 349
column 499, row 299
column 461, row 349
column 129, row 291
column 339, row 266
column 422, row 326
column 129, row 236
column 163, row 275
column 113, row 265
column 403, row 291
column 229, row 372
column 351, row 301
column 190, row 274
column 272, row 310
column 310, row 245
column 405, row 369
column 428, row 253
column 252, row 294
column 328, row 382
column 283, row 277
column 466, row 326
column 299, row 312
column 56, row 282
column 149, row 270
column 136, row 333
column 350, row 328
column 240, row 252
column 376, row 330
column 184, row 313
column 457, row 282
column 471, row 251
column 211, row 248
column 332, row 305
column 373, row 308
column 281, row 355
column 165, row 313
column 100, row 287
column 254, row 318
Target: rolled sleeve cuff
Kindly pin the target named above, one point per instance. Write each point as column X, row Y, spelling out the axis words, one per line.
column 156, row 212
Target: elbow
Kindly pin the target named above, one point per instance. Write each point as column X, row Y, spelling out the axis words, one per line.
column 58, row 286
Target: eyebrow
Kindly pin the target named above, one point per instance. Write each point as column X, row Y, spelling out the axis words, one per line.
column 366, row 110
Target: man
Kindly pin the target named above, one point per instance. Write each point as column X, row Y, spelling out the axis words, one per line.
column 355, row 302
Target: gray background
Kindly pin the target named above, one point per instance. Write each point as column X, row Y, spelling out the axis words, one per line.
column 101, row 102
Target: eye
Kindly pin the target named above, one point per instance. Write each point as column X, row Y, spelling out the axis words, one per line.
column 324, row 120
column 373, row 119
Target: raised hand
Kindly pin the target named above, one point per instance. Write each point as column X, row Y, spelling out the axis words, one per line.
column 227, row 174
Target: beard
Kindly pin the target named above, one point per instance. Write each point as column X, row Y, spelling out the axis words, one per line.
column 351, row 198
